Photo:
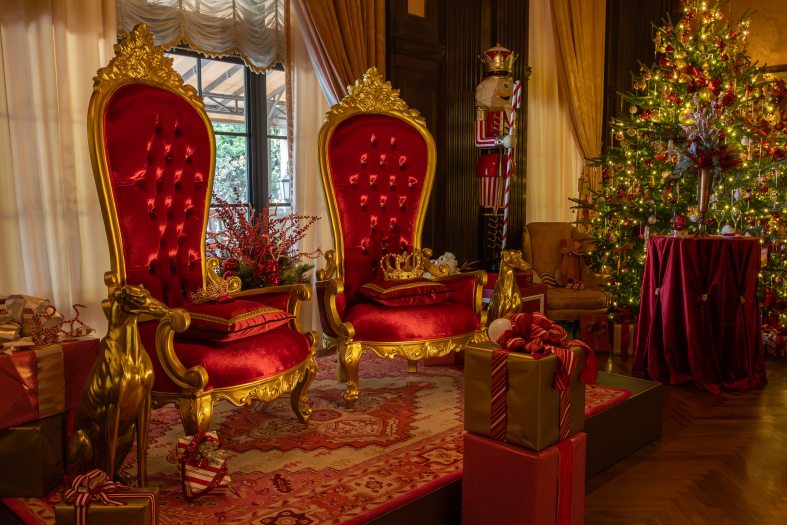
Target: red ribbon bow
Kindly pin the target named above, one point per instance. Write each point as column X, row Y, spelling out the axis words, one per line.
column 85, row 488
column 536, row 334
column 623, row 315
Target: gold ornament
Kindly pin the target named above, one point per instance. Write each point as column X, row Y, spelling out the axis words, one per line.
column 707, row 94
column 685, row 118
column 633, row 109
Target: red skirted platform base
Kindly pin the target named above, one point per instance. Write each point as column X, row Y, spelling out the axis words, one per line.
column 509, row 485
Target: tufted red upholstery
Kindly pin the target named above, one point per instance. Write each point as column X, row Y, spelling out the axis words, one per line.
column 377, row 165
column 159, row 157
column 374, row 322
column 231, row 363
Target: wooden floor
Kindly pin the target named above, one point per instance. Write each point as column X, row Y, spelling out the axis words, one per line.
column 721, row 460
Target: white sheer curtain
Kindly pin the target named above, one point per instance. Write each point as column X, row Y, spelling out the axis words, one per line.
column 554, row 160
column 309, row 109
column 253, row 29
column 51, row 230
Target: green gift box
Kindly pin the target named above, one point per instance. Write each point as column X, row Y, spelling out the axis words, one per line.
column 139, row 508
column 32, row 458
column 532, row 402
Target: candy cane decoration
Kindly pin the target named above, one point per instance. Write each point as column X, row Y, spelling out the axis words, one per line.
column 516, row 100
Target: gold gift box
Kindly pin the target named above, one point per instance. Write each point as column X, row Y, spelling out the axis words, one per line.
column 617, row 338
column 532, row 402
column 135, row 511
column 32, row 458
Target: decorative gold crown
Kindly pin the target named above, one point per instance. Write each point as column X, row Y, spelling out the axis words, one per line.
column 398, row 267
column 212, row 292
column 498, row 59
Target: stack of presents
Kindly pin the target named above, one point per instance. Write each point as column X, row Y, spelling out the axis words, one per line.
column 524, row 416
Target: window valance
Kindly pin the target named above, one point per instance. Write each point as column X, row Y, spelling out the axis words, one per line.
column 251, row 29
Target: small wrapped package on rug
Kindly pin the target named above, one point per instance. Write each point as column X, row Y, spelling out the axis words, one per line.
column 31, row 455
column 623, row 332
column 528, row 388
column 202, row 464
column 594, row 331
column 773, row 339
column 503, row 483
column 94, row 499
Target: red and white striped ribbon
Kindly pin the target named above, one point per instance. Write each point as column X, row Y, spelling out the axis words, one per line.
column 95, row 485
column 516, row 100
column 498, row 410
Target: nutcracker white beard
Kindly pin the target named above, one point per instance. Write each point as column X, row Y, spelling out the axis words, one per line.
column 494, row 93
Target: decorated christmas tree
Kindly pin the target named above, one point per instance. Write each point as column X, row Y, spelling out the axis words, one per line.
column 703, row 103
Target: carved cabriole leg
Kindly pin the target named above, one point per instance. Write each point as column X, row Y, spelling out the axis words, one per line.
column 299, row 398
column 352, row 357
column 143, row 428
column 412, row 366
column 196, row 413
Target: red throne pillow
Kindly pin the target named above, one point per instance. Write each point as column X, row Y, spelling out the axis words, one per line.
column 232, row 320
column 405, row 293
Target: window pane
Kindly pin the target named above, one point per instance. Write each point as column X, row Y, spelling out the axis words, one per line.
column 277, row 102
column 186, row 67
column 231, row 179
column 223, row 92
column 279, row 183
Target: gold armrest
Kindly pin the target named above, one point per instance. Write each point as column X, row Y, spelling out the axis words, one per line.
column 329, row 289
column 212, row 264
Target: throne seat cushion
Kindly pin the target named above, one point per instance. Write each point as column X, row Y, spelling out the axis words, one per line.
column 232, row 320
column 405, row 293
column 563, row 298
column 375, row 322
column 231, row 363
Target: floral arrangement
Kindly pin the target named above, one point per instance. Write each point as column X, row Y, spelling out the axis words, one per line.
column 261, row 247
column 706, row 146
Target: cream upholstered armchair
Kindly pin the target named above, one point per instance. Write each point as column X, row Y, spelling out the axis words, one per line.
column 377, row 160
column 545, row 245
column 153, row 153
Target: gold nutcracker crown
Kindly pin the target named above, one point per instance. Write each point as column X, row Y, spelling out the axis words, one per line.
column 398, row 267
column 498, row 59
column 212, row 292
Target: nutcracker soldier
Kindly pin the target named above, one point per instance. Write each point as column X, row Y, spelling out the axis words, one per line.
column 496, row 101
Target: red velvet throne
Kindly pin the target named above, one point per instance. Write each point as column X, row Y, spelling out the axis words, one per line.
column 153, row 153
column 377, row 160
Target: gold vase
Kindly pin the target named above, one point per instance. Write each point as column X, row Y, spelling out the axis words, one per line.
column 705, row 185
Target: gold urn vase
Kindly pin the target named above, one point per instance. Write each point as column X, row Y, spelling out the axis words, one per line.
column 705, row 184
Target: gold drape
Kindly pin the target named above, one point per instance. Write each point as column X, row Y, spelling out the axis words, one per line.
column 579, row 26
column 344, row 39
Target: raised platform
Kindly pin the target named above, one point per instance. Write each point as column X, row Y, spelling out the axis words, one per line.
column 624, row 428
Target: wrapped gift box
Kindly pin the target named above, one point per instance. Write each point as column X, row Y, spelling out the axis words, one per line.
column 532, row 402
column 31, row 455
column 202, row 476
column 41, row 381
column 503, row 483
column 139, row 508
column 623, row 337
column 594, row 331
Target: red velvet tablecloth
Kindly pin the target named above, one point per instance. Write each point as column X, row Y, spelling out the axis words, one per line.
column 699, row 317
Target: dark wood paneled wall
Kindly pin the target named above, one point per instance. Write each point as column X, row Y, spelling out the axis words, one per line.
column 433, row 60
column 629, row 42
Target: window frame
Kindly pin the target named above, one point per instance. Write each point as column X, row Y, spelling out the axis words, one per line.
column 257, row 128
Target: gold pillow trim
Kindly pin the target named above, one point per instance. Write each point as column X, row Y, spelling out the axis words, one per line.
column 241, row 317
column 400, row 287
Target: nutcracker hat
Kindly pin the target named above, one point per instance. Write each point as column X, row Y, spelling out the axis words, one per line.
column 497, row 60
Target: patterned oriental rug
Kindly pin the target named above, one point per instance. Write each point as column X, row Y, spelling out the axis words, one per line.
column 402, row 440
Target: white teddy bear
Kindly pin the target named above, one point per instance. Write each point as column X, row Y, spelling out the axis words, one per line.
column 448, row 259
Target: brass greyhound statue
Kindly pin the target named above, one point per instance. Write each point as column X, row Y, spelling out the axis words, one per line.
column 115, row 403
column 506, row 298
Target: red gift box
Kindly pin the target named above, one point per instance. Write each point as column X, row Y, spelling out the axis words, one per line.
column 44, row 380
column 594, row 331
column 506, row 484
